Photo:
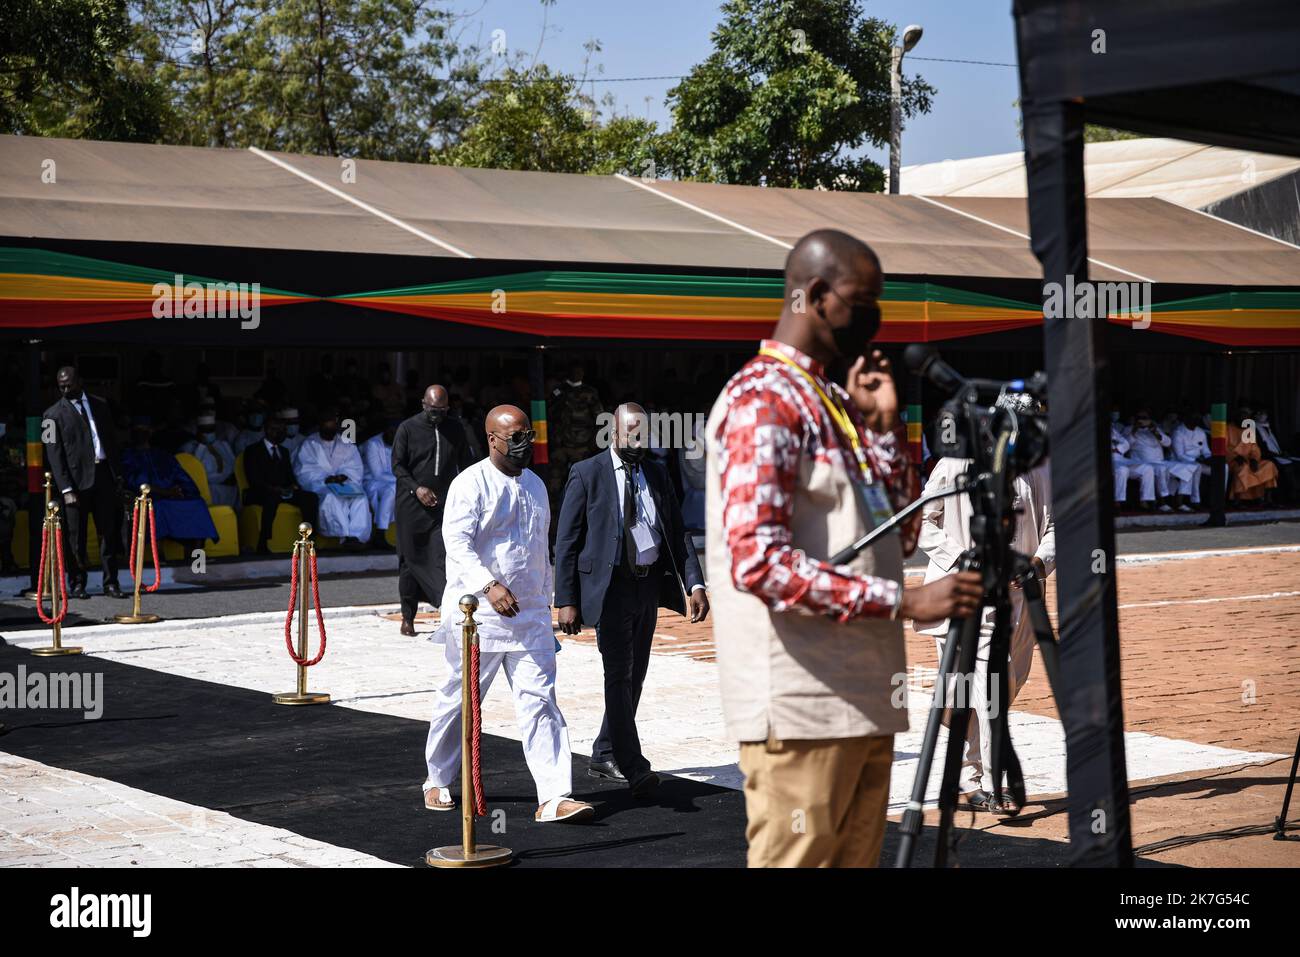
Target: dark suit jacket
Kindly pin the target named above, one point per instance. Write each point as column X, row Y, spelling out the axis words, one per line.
column 589, row 539
column 261, row 472
column 71, row 456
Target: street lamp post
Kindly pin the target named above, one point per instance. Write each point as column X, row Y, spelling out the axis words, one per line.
column 911, row 36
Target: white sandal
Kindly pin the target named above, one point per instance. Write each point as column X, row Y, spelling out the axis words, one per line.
column 574, row 811
column 442, row 800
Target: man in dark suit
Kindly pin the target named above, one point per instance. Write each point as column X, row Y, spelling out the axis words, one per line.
column 621, row 552
column 269, row 472
column 82, row 451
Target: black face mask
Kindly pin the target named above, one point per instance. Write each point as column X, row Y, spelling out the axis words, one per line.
column 328, row 434
column 434, row 416
column 632, row 454
column 519, row 454
column 852, row 340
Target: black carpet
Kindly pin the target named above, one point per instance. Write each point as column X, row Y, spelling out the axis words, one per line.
column 352, row 779
column 347, row 777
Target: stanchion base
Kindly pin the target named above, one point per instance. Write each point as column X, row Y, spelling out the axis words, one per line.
column 141, row 619
column 292, row 697
column 484, row 855
column 51, row 651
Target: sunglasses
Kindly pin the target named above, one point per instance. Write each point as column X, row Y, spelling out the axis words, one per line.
column 523, row 435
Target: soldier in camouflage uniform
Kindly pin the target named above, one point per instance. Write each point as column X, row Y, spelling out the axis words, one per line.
column 572, row 429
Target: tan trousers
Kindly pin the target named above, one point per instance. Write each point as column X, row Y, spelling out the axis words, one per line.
column 816, row 803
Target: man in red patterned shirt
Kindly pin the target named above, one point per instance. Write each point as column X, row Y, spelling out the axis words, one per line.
column 810, row 655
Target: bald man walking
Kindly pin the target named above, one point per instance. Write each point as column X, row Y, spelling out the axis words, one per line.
column 495, row 532
column 429, row 450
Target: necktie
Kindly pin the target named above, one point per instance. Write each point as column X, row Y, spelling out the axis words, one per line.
column 82, row 409
column 629, row 516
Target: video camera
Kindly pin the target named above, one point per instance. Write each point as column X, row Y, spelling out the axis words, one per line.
column 986, row 417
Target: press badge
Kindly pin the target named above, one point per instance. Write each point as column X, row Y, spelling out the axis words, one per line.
column 642, row 537
column 878, row 504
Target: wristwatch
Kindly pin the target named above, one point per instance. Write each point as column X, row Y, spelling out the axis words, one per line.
column 488, row 587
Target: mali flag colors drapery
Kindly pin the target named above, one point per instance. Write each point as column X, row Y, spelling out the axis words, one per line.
column 40, row 289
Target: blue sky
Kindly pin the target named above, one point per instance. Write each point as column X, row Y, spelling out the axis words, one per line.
column 972, row 114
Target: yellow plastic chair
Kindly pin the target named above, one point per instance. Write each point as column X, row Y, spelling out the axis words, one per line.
column 223, row 516
column 284, row 530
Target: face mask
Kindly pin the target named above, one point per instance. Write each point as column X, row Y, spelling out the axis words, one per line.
column 328, row 434
column 435, row 415
column 572, row 383
column 255, row 420
column 852, row 340
column 632, row 454
column 1263, row 419
column 519, row 454
column 291, row 430
column 1114, row 416
column 207, row 438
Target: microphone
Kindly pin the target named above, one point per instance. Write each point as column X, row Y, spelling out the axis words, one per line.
column 924, row 361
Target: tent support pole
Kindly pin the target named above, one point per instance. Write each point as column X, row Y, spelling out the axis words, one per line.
column 1082, row 483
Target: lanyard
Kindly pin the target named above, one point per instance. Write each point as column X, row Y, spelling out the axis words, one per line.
column 839, row 415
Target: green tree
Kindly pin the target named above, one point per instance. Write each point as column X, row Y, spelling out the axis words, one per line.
column 534, row 119
column 63, row 72
column 791, row 94
column 1104, row 134
column 379, row 79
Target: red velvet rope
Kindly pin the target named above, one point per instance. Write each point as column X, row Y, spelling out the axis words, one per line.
column 153, row 541
column 40, row 580
column 293, row 602
column 476, row 739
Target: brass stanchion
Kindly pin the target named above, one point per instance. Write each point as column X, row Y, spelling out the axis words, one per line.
column 303, row 571
column 52, row 553
column 142, row 516
column 468, row 853
column 49, row 497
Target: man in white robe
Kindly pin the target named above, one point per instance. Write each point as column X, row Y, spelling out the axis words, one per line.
column 945, row 534
column 495, row 528
column 1149, row 443
column 380, row 482
column 1191, row 447
column 217, row 459
column 1126, row 467
column 330, row 467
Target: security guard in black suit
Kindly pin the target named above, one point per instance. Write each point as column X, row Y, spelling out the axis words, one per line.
column 621, row 552
column 82, row 452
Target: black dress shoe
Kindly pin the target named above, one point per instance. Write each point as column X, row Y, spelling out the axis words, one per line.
column 607, row 770
column 78, row 591
column 112, row 590
column 645, row 783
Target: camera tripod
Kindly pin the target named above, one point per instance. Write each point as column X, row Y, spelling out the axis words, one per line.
column 992, row 529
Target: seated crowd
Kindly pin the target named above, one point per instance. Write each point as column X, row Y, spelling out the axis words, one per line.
column 1164, row 465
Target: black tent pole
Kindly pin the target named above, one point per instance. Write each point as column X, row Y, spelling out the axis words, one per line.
column 1082, row 483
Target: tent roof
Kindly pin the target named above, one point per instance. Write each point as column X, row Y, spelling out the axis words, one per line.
column 124, row 192
column 1189, row 174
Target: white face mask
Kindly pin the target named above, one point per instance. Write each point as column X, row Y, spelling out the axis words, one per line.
column 1114, row 416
